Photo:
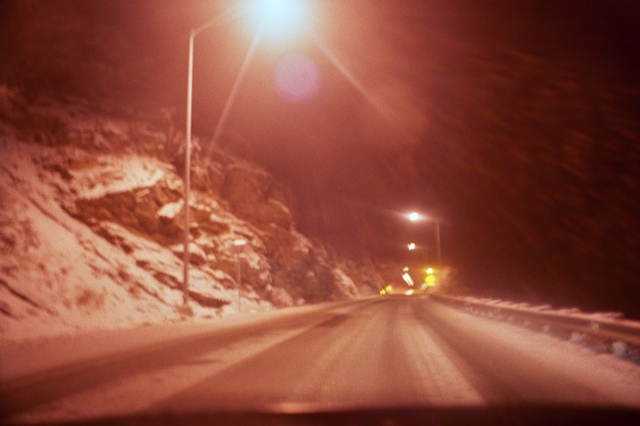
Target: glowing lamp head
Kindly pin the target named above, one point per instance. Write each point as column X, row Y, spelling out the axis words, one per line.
column 414, row 216
column 279, row 17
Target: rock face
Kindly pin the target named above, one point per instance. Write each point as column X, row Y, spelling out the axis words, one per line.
column 254, row 196
column 113, row 191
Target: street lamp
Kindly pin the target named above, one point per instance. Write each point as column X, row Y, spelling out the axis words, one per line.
column 272, row 12
column 280, row 16
column 239, row 245
column 186, row 308
column 415, row 217
column 439, row 253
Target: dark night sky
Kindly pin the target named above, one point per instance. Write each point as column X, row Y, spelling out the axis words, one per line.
column 514, row 122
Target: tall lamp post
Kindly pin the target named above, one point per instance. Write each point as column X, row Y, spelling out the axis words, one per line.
column 238, row 246
column 277, row 13
column 186, row 308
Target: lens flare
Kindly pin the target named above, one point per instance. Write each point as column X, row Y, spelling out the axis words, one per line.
column 297, row 77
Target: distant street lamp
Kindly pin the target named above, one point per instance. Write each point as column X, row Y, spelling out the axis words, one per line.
column 276, row 13
column 415, row 217
column 239, row 246
column 439, row 253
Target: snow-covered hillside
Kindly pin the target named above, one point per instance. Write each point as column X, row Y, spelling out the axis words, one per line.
column 91, row 227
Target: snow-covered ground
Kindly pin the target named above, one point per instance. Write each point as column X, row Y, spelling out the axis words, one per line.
column 379, row 352
column 601, row 331
column 603, row 317
column 19, row 358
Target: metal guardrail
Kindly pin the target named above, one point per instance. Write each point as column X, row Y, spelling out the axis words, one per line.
column 619, row 337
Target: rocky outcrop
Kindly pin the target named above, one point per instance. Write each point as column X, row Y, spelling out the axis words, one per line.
column 254, row 196
column 120, row 181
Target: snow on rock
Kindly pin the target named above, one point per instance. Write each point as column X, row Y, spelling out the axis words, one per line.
column 61, row 275
column 108, row 174
column 170, row 210
column 92, row 224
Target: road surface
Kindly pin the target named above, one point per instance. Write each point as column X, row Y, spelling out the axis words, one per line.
column 388, row 353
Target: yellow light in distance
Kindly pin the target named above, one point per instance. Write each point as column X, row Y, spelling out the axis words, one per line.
column 431, row 280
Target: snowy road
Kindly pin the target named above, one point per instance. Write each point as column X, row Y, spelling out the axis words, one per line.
column 392, row 352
